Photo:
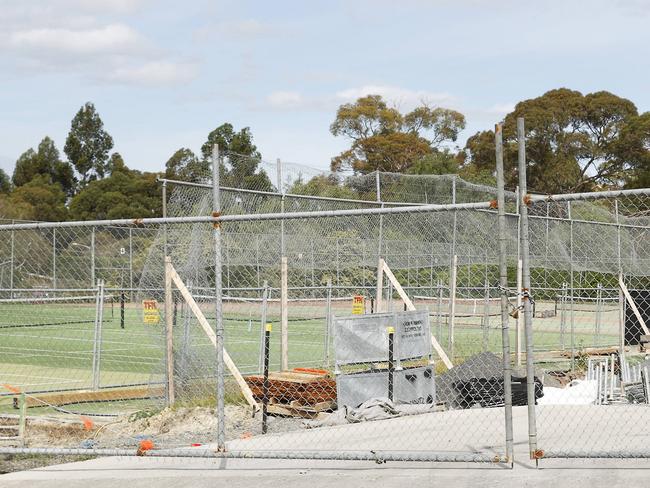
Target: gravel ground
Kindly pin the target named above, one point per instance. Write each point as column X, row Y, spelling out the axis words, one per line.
column 171, row 427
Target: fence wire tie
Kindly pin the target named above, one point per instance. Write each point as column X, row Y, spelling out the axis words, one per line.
column 525, row 294
column 217, row 224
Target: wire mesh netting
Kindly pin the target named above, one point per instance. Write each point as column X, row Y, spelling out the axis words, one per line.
column 326, row 356
column 584, row 254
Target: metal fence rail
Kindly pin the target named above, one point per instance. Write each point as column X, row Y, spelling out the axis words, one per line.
column 128, row 335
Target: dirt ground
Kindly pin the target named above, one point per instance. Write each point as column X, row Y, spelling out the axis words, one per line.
column 177, row 427
column 171, row 427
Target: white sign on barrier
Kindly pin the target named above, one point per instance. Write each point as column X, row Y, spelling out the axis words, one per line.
column 364, row 338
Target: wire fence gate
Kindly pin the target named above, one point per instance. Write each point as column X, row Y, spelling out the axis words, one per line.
column 334, row 331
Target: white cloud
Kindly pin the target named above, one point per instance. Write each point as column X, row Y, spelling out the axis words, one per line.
column 401, row 97
column 112, row 38
column 106, row 6
column 501, row 108
column 238, row 30
column 245, row 28
column 285, row 99
column 157, row 73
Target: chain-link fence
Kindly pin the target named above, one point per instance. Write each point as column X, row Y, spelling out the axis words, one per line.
column 589, row 270
column 350, row 329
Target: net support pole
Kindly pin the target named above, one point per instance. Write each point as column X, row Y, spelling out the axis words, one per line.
column 528, row 316
column 218, row 305
column 169, row 333
column 284, row 315
column 503, row 281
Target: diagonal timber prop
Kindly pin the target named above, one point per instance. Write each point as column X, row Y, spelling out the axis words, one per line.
column 409, row 305
column 196, row 310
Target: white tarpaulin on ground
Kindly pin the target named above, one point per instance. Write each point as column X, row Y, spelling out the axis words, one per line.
column 578, row 392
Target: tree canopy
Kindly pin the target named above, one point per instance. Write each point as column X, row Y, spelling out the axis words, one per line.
column 574, row 142
column 41, row 199
column 88, row 144
column 383, row 139
column 125, row 193
column 45, row 161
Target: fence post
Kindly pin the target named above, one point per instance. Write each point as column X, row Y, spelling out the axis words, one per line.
column 391, row 361
column 503, row 281
column 599, row 313
column 12, row 259
column 486, row 316
column 519, row 315
column 284, row 315
column 328, row 322
column 618, row 237
column 131, row 263
column 122, row 300
column 452, row 304
column 22, row 417
column 265, row 368
column 219, row 329
column 282, row 209
column 621, row 317
column 92, row 256
column 164, row 214
column 564, row 292
column 187, row 335
column 265, row 297
column 525, row 266
column 439, row 311
column 54, row 258
column 379, row 297
column 380, row 236
column 169, row 333
column 97, row 342
column 571, row 289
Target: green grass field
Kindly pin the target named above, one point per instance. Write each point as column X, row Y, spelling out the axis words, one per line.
column 58, row 353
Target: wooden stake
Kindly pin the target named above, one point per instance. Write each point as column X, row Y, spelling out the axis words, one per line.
column 284, row 315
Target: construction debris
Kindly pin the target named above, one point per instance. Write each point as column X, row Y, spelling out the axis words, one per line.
column 373, row 409
column 300, row 392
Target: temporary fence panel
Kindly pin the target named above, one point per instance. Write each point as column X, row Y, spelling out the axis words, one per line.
column 582, row 248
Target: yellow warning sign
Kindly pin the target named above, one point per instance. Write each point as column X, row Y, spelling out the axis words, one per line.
column 150, row 313
column 358, row 305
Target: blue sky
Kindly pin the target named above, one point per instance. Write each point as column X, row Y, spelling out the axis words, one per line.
column 163, row 74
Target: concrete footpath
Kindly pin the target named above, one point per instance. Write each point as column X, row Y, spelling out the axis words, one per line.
column 584, row 427
column 180, row 473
